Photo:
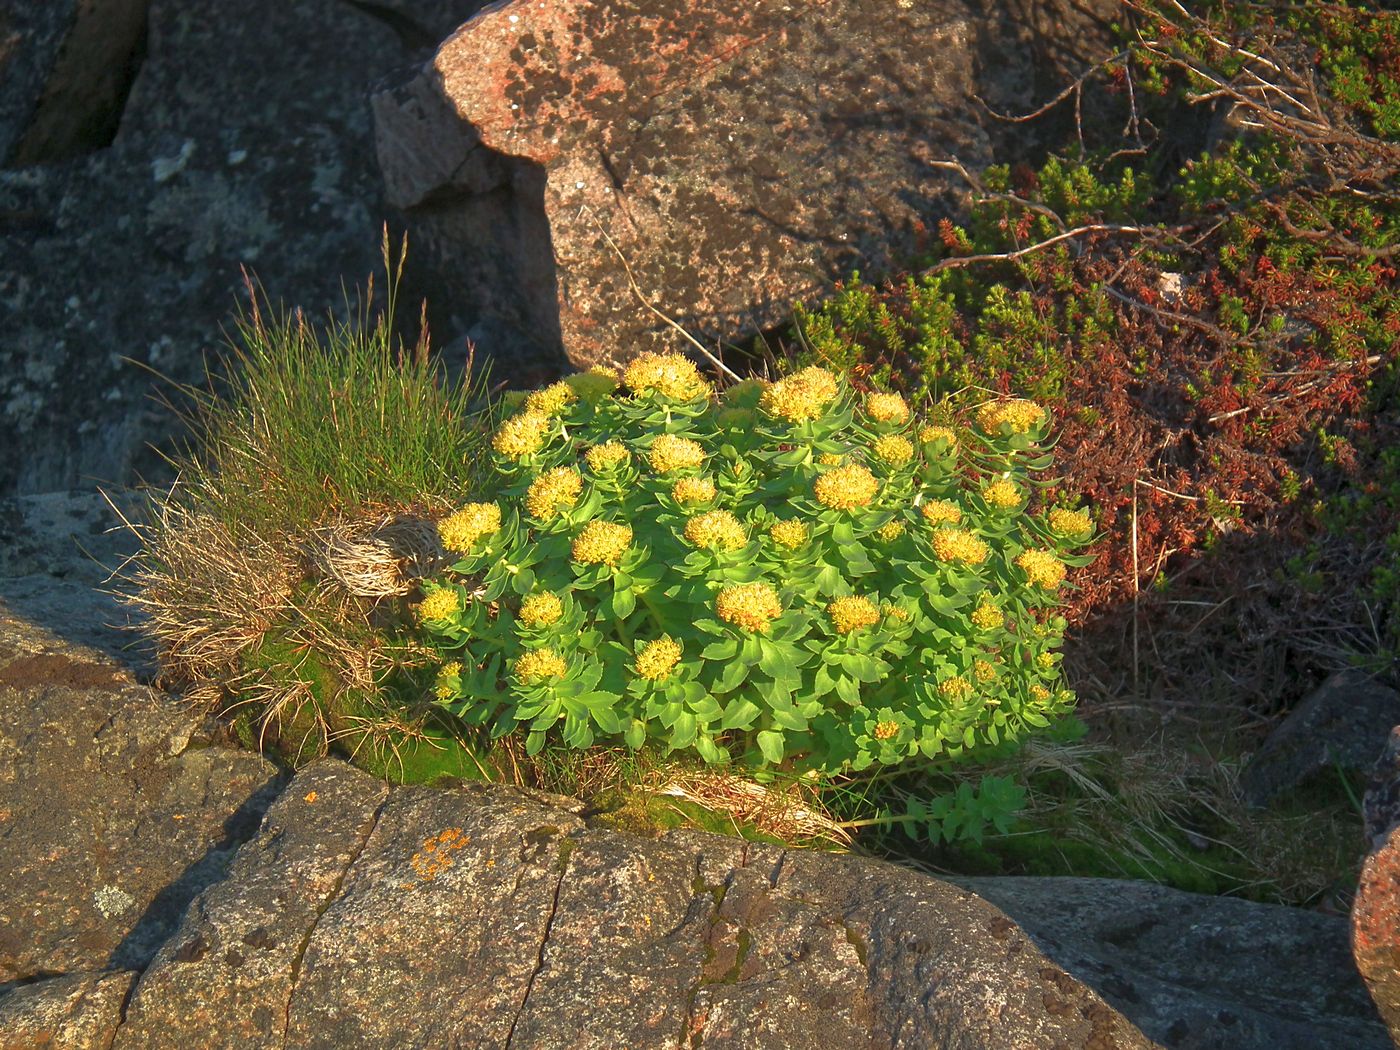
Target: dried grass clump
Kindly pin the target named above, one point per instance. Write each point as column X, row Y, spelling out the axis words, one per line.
column 380, row 559
column 781, row 814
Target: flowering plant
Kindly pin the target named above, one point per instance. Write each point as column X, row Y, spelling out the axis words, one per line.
column 788, row 572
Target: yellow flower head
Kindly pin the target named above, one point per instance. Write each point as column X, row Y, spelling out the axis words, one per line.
column 553, row 491
column 669, row 375
column 1046, row 661
column 439, row 605
column 894, row 612
column 852, row 613
column 1070, row 522
column 887, row 408
column 802, row 395
column 458, row 531
column 521, row 435
column 443, row 686
column 669, row 453
column 541, row 609
column 716, row 530
column 693, row 490
column 928, row 435
column 987, row 616
column 1039, row 693
column 886, row 730
column 1042, row 568
column 752, row 606
column 601, row 543
column 959, row 545
column 1002, row 493
column 539, row 664
column 893, row 450
column 941, row 512
column 658, row 658
column 604, row 457
column 1019, row 415
column 984, row 671
column 594, row 385
column 789, row 534
column 551, row 400
column 891, row 530
column 831, row 459
column 845, row 488
column 955, row 688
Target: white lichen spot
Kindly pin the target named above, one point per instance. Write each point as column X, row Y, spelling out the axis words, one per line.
column 163, row 169
column 112, row 901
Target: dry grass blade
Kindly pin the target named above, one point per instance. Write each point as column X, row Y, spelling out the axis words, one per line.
column 380, row 559
column 782, row 814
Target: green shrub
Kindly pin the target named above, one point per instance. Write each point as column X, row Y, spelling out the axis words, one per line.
column 787, row 575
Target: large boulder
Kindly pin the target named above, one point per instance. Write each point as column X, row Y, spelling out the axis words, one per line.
column 1375, row 914
column 235, row 135
column 560, row 160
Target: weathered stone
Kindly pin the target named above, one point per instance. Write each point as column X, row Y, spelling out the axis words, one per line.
column 1199, row 972
column 1375, row 914
column 73, row 1012
column 245, row 140
column 488, row 917
column 1341, row 724
column 738, row 157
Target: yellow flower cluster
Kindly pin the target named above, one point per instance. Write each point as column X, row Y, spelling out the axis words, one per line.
column 984, row 671
column 789, row 534
column 539, row 664
column 521, row 435
column 1039, row 693
column 459, row 530
column 606, row 456
column 693, row 490
column 1070, row 522
column 669, row 375
column 887, row 408
column 658, row 658
column 716, row 530
column 893, row 450
column 594, row 385
column 1018, row 414
column 928, row 435
column 1002, row 493
column 894, row 612
column 831, row 459
column 845, row 488
column 752, row 606
column 941, row 512
column 551, row 400
column 440, row 605
column 601, row 543
column 959, row 545
column 852, row 613
column 886, row 730
column 802, row 395
column 443, row 687
column 553, row 491
column 956, row 688
column 891, row 530
column 1042, row 568
column 987, row 616
column 541, row 609
column 669, row 453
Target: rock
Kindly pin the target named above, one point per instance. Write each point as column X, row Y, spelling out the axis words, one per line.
column 244, row 140
column 113, row 811
column 1343, row 723
column 74, row 1012
column 1375, row 913
column 739, row 158
column 1197, row 972
column 489, row 916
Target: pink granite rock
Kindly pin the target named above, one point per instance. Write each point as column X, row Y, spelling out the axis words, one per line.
column 1375, row 915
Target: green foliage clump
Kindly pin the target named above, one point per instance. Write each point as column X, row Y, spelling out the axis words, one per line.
column 787, row 575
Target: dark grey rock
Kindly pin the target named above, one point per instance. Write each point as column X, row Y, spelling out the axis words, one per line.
column 74, row 1012
column 1343, row 723
column 1196, row 972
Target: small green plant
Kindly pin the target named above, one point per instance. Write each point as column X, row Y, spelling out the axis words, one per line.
column 787, row 575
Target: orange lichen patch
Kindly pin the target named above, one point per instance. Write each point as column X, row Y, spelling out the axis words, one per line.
column 436, row 855
column 310, row 796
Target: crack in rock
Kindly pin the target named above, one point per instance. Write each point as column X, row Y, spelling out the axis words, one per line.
column 544, row 943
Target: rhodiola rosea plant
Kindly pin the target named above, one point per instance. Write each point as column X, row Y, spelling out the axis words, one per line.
column 785, row 574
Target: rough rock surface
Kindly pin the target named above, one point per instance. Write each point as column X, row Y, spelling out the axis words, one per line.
column 74, row 1012
column 245, row 139
column 488, row 917
column 1343, row 723
column 1198, row 972
column 739, row 157
column 1375, row 914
